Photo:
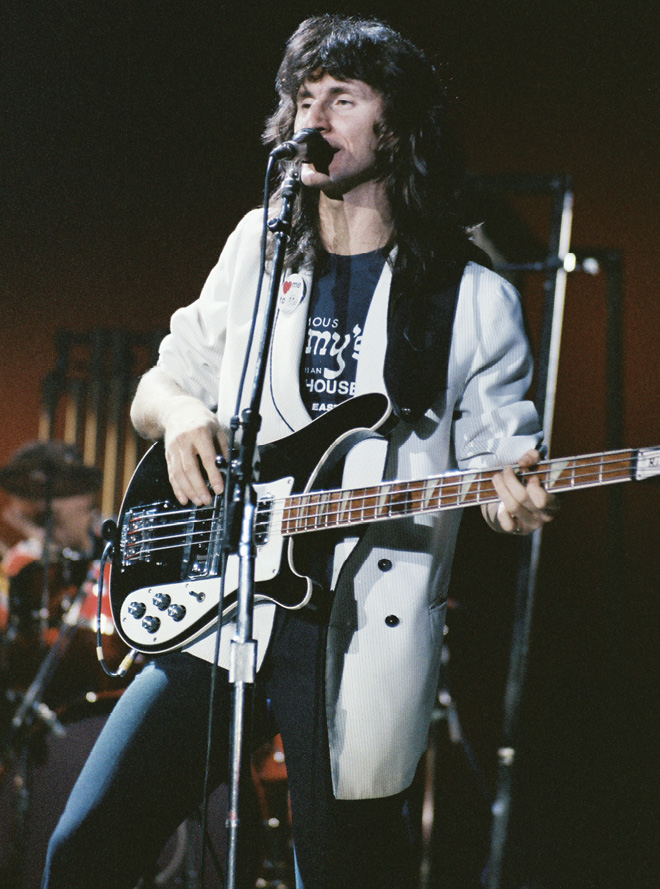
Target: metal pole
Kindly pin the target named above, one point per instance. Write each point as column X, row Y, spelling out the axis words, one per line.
column 242, row 674
column 531, row 547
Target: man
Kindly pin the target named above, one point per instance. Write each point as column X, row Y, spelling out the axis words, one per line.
column 385, row 299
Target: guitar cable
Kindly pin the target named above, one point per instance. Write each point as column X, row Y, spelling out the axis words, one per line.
column 109, row 534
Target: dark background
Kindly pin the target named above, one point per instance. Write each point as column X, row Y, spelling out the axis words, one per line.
column 131, row 146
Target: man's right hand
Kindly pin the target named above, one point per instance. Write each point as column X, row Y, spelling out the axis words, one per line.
column 193, row 434
column 162, row 409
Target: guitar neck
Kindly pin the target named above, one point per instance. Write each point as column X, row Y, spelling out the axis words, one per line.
column 325, row 510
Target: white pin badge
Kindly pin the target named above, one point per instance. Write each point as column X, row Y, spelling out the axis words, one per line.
column 292, row 293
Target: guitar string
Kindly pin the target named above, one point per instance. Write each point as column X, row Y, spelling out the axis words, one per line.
column 327, row 505
column 411, row 489
column 413, row 486
column 450, row 479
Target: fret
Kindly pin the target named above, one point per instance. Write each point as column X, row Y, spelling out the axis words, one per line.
column 334, row 508
column 301, row 514
column 303, row 517
column 355, row 506
column 418, row 498
column 398, row 500
column 287, row 521
column 321, row 508
column 295, row 514
column 364, row 507
column 363, row 504
column 383, row 500
column 555, row 473
column 344, row 506
column 326, row 513
column 294, row 510
column 370, row 501
column 466, row 486
column 307, row 519
column 428, row 491
column 481, row 481
column 312, row 512
column 448, row 491
column 486, row 490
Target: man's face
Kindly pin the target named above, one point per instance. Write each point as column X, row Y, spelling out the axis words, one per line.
column 346, row 112
column 72, row 521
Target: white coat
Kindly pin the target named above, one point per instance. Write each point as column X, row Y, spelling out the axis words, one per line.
column 386, row 627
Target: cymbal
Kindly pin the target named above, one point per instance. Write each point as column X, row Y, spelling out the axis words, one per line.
column 48, row 470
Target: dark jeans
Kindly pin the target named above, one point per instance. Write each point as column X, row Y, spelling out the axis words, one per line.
column 144, row 775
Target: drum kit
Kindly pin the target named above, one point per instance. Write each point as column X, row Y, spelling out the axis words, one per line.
column 48, row 660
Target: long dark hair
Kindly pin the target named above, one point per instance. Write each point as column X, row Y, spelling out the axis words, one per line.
column 422, row 166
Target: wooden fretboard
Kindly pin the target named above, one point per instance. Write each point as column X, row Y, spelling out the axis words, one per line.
column 324, row 510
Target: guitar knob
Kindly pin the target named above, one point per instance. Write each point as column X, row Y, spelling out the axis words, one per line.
column 161, row 601
column 176, row 612
column 137, row 609
column 151, row 624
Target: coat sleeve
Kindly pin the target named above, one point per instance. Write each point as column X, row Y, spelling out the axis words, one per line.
column 495, row 423
column 193, row 350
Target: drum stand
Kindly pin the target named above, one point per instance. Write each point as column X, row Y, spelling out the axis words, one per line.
column 32, row 709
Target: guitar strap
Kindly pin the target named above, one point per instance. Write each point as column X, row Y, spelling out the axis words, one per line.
column 419, row 334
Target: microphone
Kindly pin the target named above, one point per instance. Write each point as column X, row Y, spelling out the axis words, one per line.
column 307, row 145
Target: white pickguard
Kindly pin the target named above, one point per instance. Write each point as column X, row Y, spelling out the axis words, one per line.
column 197, row 596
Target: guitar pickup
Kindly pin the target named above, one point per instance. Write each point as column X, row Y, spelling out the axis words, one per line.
column 262, row 520
column 143, row 532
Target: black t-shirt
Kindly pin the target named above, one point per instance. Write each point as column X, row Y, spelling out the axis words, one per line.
column 339, row 302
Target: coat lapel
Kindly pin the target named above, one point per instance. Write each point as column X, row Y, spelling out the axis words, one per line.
column 365, row 463
column 369, row 376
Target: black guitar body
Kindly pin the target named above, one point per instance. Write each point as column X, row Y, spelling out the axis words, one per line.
column 164, row 585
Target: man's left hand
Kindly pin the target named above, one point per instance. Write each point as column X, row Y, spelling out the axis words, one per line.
column 522, row 507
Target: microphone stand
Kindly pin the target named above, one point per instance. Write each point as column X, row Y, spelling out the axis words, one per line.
column 243, row 649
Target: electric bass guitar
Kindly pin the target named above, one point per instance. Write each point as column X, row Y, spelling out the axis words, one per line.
column 166, row 563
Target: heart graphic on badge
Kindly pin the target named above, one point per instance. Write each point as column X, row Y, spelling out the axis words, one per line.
column 292, row 293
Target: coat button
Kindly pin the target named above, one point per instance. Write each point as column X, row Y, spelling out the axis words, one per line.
column 384, row 564
column 392, row 620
